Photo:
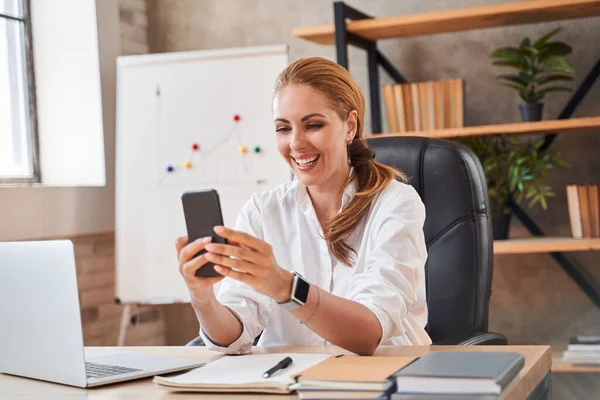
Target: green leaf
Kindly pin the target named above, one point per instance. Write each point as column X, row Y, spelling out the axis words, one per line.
column 511, row 63
column 552, row 78
column 555, row 89
column 556, row 49
column 544, row 39
column 525, row 43
column 509, row 53
column 556, row 63
column 518, row 79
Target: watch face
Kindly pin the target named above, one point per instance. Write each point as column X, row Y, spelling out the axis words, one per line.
column 301, row 292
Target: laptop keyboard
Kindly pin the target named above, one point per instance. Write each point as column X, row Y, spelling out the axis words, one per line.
column 95, row 370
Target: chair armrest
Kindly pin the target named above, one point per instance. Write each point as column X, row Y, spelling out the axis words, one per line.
column 196, row 342
column 479, row 338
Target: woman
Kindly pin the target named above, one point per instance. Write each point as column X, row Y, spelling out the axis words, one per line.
column 335, row 256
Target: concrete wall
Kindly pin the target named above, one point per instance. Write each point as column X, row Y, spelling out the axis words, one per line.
column 533, row 301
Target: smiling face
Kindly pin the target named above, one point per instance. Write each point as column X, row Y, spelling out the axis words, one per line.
column 311, row 136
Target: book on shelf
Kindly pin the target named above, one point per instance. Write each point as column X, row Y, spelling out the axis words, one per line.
column 584, row 210
column 583, row 350
column 424, row 106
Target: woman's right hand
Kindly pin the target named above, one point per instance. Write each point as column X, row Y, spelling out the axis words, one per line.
column 201, row 289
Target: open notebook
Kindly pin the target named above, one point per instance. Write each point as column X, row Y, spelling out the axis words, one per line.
column 242, row 374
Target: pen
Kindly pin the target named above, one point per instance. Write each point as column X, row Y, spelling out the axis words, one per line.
column 286, row 362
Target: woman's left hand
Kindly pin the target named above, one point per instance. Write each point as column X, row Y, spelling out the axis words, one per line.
column 250, row 260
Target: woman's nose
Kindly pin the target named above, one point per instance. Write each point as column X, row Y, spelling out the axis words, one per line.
column 297, row 141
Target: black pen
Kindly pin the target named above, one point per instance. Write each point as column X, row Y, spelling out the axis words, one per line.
column 286, row 362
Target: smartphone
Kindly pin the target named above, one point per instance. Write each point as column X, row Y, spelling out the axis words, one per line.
column 202, row 211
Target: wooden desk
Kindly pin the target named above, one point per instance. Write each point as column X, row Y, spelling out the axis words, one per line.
column 538, row 360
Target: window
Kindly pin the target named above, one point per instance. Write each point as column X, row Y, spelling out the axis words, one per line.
column 18, row 136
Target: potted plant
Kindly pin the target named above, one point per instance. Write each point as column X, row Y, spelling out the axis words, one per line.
column 514, row 169
column 539, row 68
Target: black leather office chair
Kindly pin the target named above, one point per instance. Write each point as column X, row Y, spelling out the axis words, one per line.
column 450, row 181
column 458, row 232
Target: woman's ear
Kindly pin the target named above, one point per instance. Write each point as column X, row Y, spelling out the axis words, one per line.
column 352, row 125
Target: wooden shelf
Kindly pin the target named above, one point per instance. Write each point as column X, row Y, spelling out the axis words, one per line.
column 523, row 12
column 519, row 128
column 545, row 245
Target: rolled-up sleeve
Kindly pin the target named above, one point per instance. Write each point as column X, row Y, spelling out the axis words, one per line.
column 252, row 309
column 392, row 284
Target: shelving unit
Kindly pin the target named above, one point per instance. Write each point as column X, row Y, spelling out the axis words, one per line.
column 520, row 128
column 545, row 245
column 465, row 19
column 364, row 31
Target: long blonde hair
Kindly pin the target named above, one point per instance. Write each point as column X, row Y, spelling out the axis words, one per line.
column 344, row 95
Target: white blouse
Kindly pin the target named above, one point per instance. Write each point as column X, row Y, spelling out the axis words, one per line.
column 388, row 275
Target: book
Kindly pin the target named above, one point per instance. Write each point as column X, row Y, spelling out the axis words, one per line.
column 415, row 106
column 448, row 104
column 424, row 105
column 438, row 98
column 458, row 103
column 352, row 373
column 339, row 395
column 584, row 210
column 232, row 374
column 390, row 107
column 574, row 214
column 464, row 373
column 401, row 113
column 593, row 201
column 408, row 111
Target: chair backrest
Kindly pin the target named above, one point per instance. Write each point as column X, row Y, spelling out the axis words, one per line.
column 449, row 178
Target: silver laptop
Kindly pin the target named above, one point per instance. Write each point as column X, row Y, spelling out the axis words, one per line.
column 40, row 322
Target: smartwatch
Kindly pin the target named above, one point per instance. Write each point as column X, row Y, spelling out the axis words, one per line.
column 298, row 295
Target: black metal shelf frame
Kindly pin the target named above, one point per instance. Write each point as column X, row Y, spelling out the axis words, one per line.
column 343, row 38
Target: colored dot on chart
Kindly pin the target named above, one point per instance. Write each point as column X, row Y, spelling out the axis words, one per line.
column 170, row 168
column 237, row 117
column 243, row 149
column 257, row 149
column 195, row 147
column 188, row 164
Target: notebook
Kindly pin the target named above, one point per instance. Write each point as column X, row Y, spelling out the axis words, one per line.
column 468, row 373
column 242, row 374
column 352, row 373
column 343, row 395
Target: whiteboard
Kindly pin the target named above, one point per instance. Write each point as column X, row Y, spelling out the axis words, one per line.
column 166, row 104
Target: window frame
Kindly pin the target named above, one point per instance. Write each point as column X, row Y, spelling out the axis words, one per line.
column 32, row 133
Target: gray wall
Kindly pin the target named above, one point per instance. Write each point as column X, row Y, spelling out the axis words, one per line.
column 533, row 300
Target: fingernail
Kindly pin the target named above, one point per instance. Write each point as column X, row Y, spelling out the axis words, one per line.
column 219, row 229
column 207, row 239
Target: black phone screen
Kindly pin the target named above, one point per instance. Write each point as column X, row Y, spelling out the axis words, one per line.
column 202, row 211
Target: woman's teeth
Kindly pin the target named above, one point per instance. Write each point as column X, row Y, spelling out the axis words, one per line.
column 306, row 161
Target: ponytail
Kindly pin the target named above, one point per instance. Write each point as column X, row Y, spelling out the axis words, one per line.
column 372, row 177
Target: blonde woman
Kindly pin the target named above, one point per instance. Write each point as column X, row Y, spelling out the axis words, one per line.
column 336, row 256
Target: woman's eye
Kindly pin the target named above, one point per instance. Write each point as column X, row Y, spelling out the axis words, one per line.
column 282, row 129
column 314, row 126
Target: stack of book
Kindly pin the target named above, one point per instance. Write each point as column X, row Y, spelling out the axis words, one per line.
column 424, row 106
column 583, row 350
column 584, row 210
column 458, row 375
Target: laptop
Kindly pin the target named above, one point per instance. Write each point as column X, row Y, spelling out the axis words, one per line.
column 40, row 323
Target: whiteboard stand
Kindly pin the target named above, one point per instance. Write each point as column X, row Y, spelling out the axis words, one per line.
column 128, row 315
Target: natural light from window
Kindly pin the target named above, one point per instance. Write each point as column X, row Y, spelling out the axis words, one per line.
column 16, row 158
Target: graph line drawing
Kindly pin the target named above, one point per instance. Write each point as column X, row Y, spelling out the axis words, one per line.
column 228, row 161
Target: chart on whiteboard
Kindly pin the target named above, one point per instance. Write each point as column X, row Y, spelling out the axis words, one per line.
column 223, row 151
